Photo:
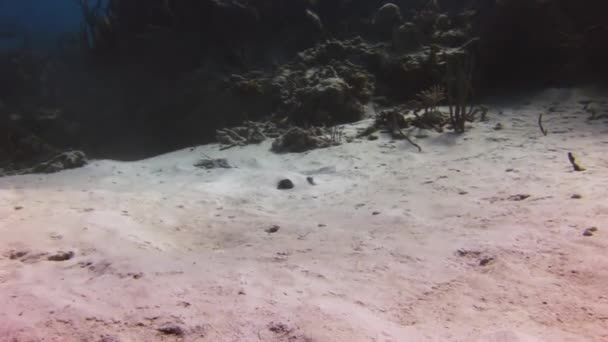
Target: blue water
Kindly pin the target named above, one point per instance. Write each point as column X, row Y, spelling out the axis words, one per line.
column 37, row 23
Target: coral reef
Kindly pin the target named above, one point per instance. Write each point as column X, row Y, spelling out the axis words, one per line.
column 324, row 95
column 161, row 75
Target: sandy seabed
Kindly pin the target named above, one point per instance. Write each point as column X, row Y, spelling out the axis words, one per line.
column 478, row 238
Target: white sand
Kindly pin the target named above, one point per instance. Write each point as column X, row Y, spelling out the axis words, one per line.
column 160, row 242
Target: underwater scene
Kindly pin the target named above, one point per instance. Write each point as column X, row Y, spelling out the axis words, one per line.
column 303, row 170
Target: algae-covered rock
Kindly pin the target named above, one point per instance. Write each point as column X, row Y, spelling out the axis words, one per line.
column 314, row 90
column 330, row 98
column 249, row 133
column 297, row 140
column 451, row 38
column 63, row 161
column 386, row 19
column 442, row 23
column 407, row 38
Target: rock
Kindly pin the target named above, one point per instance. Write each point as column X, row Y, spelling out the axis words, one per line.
column 61, row 256
column 279, row 328
column 426, row 19
column 486, row 261
column 108, row 338
column 213, row 163
column 451, row 38
column 590, row 231
column 310, row 180
column 327, row 84
column 442, row 23
column 386, row 19
column 498, row 127
column 518, row 197
column 407, row 38
column 17, row 254
column 184, row 304
column 285, row 184
column 576, row 196
column 468, row 253
column 246, row 87
column 585, row 101
column 250, row 133
column 62, row 161
column 330, row 99
column 272, row 229
column 171, row 329
column 297, row 140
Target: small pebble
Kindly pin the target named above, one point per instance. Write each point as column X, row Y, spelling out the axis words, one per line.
column 61, row 256
column 272, row 229
column 590, row 231
column 519, row 197
column 172, row 330
column 576, row 196
column 485, row 261
column 17, row 254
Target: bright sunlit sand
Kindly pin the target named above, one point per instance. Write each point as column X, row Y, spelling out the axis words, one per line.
column 481, row 237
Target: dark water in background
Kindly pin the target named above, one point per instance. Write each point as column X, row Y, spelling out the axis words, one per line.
column 159, row 79
column 36, row 23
